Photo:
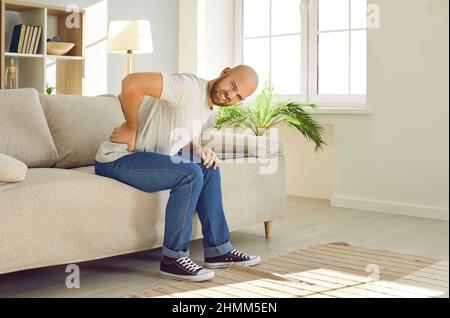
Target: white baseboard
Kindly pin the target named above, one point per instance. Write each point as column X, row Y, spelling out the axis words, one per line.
column 415, row 210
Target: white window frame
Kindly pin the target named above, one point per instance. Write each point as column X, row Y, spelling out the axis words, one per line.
column 309, row 63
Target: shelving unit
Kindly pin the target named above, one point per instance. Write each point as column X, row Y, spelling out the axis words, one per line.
column 64, row 72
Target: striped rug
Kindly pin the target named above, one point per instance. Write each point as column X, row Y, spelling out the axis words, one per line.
column 327, row 270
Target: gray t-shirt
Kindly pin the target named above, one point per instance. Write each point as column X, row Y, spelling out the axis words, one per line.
column 167, row 124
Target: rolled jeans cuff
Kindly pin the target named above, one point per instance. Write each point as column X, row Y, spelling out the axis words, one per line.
column 218, row 250
column 173, row 254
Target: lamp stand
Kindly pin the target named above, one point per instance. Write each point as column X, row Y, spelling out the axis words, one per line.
column 130, row 65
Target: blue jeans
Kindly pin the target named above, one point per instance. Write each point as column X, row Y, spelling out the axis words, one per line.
column 193, row 188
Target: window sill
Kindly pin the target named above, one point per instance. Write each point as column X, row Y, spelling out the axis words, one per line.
column 340, row 110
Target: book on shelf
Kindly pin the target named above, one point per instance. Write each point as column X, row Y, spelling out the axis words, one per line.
column 22, row 38
column 15, row 38
column 33, row 39
column 25, row 39
column 36, row 47
column 28, row 39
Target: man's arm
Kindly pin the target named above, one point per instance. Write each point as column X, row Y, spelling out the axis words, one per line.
column 134, row 87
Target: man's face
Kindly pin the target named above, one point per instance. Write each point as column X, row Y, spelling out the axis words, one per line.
column 234, row 85
column 226, row 91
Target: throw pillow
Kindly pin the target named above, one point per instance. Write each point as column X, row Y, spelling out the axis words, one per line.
column 24, row 133
column 11, row 169
column 79, row 125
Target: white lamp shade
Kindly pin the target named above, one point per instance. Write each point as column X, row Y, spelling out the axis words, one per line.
column 130, row 35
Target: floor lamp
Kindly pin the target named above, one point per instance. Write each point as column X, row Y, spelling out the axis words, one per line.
column 130, row 38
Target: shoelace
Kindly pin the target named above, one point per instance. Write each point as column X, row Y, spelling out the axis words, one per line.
column 239, row 254
column 188, row 264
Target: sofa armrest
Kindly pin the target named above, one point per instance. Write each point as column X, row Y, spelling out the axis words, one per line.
column 241, row 145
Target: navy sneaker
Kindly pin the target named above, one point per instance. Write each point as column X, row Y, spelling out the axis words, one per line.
column 234, row 256
column 184, row 269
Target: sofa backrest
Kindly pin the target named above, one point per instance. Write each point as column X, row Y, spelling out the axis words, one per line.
column 243, row 144
column 24, row 133
column 79, row 124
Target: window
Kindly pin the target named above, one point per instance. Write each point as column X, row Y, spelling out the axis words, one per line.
column 311, row 50
column 272, row 42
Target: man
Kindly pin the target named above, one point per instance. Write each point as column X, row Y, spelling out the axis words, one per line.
column 148, row 153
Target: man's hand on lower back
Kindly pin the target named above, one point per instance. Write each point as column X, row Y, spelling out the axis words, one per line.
column 125, row 134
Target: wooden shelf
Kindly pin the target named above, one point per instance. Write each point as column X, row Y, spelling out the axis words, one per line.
column 65, row 57
column 65, row 72
column 54, row 57
column 12, row 5
column 24, row 55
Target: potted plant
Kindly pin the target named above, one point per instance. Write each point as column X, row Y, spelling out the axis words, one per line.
column 266, row 111
column 50, row 90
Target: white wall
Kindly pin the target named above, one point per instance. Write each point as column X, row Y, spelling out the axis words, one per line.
column 207, row 34
column 395, row 160
column 104, row 72
column 220, row 55
column 188, row 36
column 309, row 173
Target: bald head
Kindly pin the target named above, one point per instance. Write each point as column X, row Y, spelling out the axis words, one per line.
column 247, row 77
column 234, row 85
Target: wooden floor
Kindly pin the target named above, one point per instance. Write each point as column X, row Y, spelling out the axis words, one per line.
column 307, row 223
column 334, row 270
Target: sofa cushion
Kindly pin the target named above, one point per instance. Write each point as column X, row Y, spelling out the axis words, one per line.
column 11, row 169
column 24, row 133
column 80, row 124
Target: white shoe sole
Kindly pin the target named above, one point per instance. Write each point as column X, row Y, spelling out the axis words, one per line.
column 251, row 262
column 192, row 278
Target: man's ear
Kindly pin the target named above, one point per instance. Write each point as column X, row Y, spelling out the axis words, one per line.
column 225, row 72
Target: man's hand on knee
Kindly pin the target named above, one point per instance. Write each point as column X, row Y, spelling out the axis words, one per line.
column 209, row 158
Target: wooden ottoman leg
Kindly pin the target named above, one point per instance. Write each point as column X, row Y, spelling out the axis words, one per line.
column 268, row 229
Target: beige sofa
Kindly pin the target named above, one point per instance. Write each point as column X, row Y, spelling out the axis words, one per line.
column 63, row 213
